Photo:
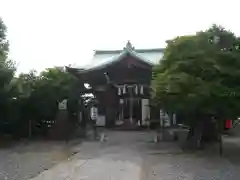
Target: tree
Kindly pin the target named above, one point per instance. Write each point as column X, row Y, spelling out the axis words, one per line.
column 7, row 69
column 199, row 77
column 40, row 94
column 3, row 42
column 31, row 97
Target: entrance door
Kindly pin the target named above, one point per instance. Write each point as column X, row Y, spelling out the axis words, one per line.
column 137, row 110
column 126, row 108
column 133, row 109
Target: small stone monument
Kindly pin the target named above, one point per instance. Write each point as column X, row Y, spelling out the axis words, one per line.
column 61, row 127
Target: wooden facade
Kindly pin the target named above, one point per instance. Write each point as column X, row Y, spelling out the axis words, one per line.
column 122, row 87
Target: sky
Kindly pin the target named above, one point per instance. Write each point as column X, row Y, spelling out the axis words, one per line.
column 47, row 33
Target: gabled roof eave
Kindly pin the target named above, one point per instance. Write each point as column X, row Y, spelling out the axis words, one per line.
column 139, row 57
column 116, row 59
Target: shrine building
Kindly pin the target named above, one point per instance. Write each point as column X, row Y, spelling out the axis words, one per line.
column 120, row 80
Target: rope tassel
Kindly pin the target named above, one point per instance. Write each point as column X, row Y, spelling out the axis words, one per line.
column 136, row 89
column 141, row 90
column 124, row 89
column 119, row 91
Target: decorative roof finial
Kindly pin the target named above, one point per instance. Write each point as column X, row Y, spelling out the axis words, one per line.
column 129, row 46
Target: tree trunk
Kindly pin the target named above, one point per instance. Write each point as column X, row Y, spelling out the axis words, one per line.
column 83, row 123
column 30, row 128
column 202, row 132
column 194, row 139
column 220, row 145
column 219, row 130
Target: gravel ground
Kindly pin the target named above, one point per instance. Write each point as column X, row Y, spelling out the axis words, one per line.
column 133, row 156
column 124, row 156
column 25, row 161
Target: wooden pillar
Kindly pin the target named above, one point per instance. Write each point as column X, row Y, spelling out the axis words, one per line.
column 131, row 110
column 131, row 105
column 121, row 111
column 145, row 110
column 112, row 103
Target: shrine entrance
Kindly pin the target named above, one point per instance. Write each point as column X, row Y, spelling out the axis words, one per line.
column 131, row 111
column 121, row 84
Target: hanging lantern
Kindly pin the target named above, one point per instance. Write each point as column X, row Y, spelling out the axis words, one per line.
column 141, row 90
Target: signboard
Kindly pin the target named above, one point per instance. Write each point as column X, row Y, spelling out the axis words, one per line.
column 62, row 105
column 94, row 113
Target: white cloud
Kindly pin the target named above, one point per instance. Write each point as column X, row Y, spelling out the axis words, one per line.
column 44, row 33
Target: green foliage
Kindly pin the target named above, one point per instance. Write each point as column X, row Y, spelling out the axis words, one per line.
column 30, row 96
column 48, row 89
column 59, row 81
column 199, row 76
column 35, row 97
column 7, row 69
column 3, row 42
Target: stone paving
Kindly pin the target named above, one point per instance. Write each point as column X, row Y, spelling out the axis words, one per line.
column 132, row 156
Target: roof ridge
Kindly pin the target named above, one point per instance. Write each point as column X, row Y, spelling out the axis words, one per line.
column 135, row 50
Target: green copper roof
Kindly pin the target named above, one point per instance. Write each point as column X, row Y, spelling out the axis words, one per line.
column 103, row 58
